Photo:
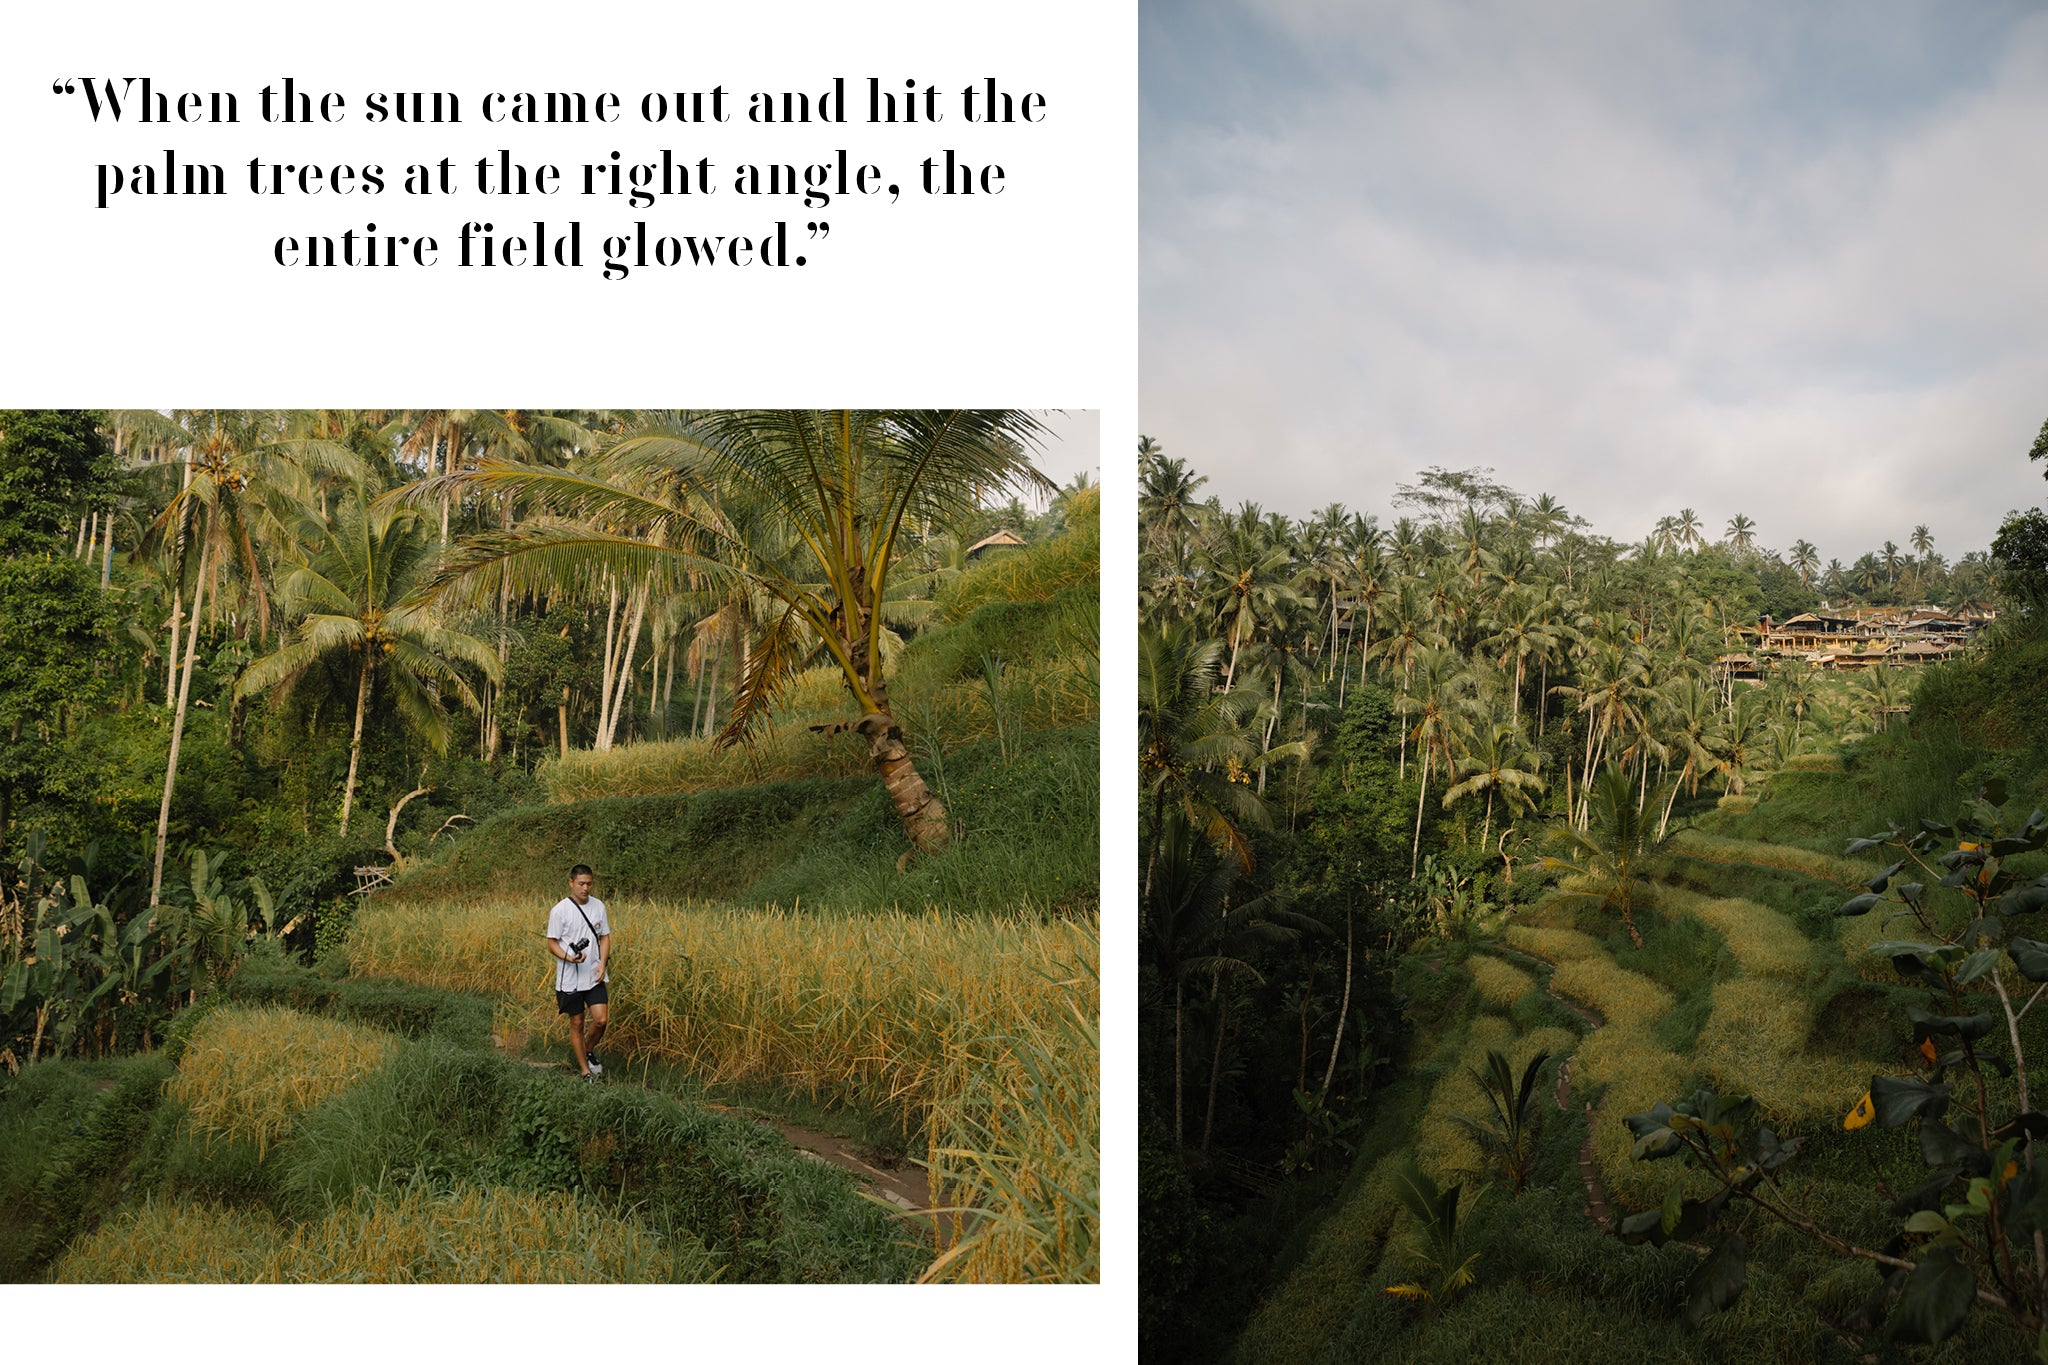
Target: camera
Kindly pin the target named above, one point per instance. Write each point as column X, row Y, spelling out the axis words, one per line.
column 579, row 945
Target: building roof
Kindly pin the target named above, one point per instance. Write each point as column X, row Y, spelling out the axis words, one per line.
column 1000, row 540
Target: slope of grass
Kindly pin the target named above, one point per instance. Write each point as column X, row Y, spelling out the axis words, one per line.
column 1028, row 830
column 971, row 1030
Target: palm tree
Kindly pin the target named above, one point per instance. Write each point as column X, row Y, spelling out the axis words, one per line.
column 1741, row 533
column 1609, row 852
column 1497, row 758
column 1434, row 699
column 352, row 599
column 807, row 508
column 1805, row 559
column 1691, row 530
column 1508, row 1135
column 1194, row 930
column 1922, row 541
column 241, row 476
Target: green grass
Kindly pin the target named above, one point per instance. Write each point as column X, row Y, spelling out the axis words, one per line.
column 91, row 1145
column 1028, row 831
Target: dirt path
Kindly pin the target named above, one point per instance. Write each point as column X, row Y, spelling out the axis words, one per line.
column 1597, row 1207
column 902, row 1184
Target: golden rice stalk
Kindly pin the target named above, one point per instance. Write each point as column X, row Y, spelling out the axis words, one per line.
column 1754, row 1043
column 1499, row 983
column 893, row 1011
column 1618, row 995
column 1554, row 945
column 471, row 1236
column 1763, row 941
column 1783, row 857
column 247, row 1073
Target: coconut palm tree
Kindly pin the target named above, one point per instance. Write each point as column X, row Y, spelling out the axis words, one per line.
column 1691, row 530
column 351, row 599
column 1608, row 853
column 1741, row 533
column 1805, row 559
column 812, row 509
column 1496, row 759
column 1434, row 699
column 1922, row 541
column 241, row 476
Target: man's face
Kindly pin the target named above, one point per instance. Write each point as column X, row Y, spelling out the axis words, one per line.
column 579, row 887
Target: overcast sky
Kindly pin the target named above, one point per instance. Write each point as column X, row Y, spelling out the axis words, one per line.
column 1789, row 261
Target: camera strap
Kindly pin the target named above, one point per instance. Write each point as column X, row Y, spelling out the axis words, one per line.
column 594, row 935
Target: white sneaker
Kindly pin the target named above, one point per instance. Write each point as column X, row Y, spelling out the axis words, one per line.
column 595, row 1069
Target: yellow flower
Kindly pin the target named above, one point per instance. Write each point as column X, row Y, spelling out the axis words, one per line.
column 1861, row 1115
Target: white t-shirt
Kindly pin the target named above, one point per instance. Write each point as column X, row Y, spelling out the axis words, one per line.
column 566, row 925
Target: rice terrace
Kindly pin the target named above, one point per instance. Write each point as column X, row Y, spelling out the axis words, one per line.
column 317, row 711
column 1553, row 950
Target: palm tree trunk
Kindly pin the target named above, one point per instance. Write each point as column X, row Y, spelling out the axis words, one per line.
column 1179, row 1066
column 1216, row 1064
column 562, row 715
column 355, row 746
column 624, row 680
column 1343, row 1012
column 1415, row 853
column 604, row 692
column 711, row 700
column 1673, row 799
column 163, row 815
column 171, row 660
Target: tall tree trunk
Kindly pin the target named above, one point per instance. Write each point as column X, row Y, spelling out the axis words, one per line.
column 1415, row 853
column 711, row 700
column 1179, row 1066
column 163, row 814
column 107, row 553
column 1343, row 1012
column 1216, row 1062
column 355, row 746
column 1673, row 799
column 171, row 660
column 602, row 740
column 697, row 706
column 621, row 677
column 562, row 714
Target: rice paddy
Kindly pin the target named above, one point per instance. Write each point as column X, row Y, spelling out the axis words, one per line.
column 414, row 1236
column 977, row 1032
column 1498, row 982
column 248, row 1073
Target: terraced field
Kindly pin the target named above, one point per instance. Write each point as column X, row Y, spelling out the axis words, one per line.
column 1746, row 982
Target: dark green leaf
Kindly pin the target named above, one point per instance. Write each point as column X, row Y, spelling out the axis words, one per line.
column 1877, row 884
column 1933, row 1301
column 2006, row 848
column 1927, row 1194
column 1859, row 905
column 1718, row 1282
column 2023, row 900
column 1994, row 791
column 1976, row 964
column 1964, row 1026
column 1898, row 1098
column 2031, row 957
column 1911, row 892
column 1940, row 1147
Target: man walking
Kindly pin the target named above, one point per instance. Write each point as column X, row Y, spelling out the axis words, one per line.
column 580, row 936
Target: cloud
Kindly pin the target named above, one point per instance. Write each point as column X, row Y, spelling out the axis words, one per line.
column 1616, row 254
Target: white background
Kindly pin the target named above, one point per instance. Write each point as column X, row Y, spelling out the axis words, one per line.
column 1026, row 299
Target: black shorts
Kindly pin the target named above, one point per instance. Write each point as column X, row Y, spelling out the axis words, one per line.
column 573, row 1002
